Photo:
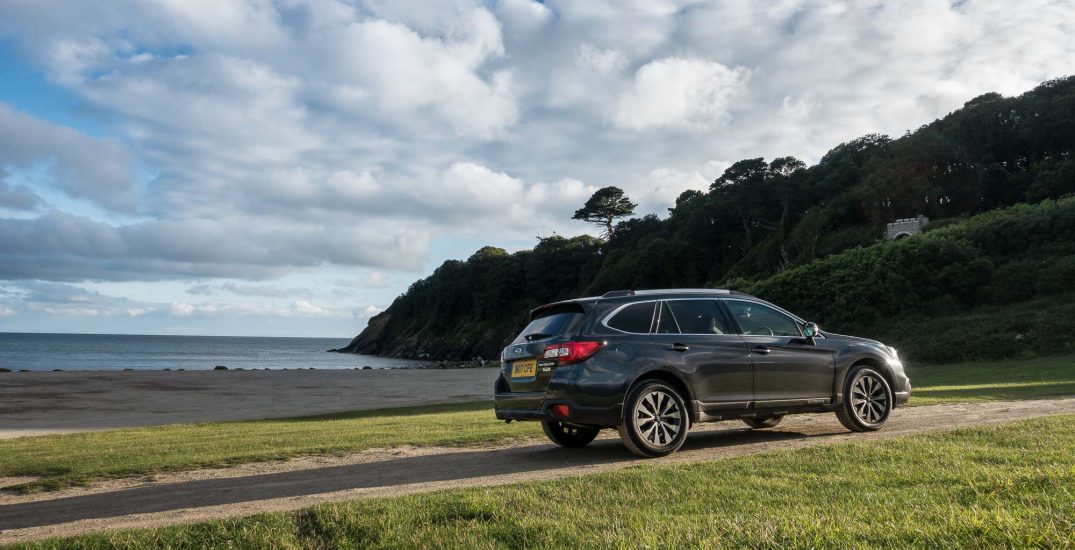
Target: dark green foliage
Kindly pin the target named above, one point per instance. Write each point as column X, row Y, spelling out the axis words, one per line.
column 471, row 308
column 760, row 220
column 946, row 295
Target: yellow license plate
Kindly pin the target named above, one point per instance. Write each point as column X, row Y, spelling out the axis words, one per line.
column 524, row 369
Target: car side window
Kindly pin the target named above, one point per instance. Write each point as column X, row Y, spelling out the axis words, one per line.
column 698, row 317
column 761, row 320
column 666, row 323
column 635, row 318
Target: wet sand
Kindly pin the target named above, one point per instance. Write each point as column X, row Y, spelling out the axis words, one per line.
column 38, row 403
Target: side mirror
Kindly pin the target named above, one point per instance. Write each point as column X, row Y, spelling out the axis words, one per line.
column 810, row 330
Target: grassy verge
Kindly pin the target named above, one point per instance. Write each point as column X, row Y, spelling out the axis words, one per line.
column 993, row 380
column 64, row 460
column 1002, row 486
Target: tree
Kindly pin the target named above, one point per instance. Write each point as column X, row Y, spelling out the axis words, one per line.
column 604, row 206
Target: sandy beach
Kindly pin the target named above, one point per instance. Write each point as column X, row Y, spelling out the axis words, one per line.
column 38, row 403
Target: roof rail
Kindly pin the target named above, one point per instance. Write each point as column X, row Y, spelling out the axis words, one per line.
column 661, row 291
column 682, row 291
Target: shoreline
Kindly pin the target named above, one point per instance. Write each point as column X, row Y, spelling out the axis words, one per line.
column 37, row 402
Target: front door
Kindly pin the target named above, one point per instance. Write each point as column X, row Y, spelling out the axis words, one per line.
column 788, row 369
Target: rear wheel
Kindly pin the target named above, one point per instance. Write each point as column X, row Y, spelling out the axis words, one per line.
column 867, row 400
column 654, row 420
column 763, row 422
column 567, row 435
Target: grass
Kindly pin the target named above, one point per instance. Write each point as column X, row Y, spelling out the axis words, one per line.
column 1002, row 486
column 993, row 380
column 72, row 459
column 64, row 460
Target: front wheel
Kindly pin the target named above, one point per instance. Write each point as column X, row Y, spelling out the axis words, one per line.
column 867, row 400
column 566, row 435
column 654, row 420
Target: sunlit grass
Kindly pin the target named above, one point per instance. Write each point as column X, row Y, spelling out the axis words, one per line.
column 1009, row 486
column 993, row 380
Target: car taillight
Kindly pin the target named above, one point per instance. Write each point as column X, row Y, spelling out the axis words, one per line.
column 572, row 352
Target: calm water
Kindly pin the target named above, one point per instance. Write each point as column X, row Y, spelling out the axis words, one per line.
column 122, row 351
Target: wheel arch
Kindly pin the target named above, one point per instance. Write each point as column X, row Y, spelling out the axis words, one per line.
column 674, row 380
column 875, row 363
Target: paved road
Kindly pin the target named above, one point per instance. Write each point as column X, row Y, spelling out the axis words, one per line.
column 37, row 403
column 157, row 504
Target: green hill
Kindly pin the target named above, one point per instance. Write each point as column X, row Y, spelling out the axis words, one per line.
column 809, row 238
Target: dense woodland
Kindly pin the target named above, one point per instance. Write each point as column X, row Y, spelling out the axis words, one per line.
column 809, row 238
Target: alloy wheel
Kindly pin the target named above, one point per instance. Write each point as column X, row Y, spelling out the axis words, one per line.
column 869, row 400
column 658, row 418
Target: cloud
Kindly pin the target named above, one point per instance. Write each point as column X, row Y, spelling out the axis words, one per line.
column 60, row 299
column 99, row 170
column 17, row 197
column 253, row 140
column 693, row 94
column 270, row 291
column 366, row 312
column 63, row 247
column 298, row 308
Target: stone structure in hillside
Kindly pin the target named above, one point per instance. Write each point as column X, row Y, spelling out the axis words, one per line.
column 906, row 227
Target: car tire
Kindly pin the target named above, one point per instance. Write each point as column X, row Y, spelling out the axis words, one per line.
column 867, row 402
column 763, row 422
column 567, row 435
column 655, row 419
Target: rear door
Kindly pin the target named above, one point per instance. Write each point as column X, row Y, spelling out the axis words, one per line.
column 697, row 337
column 524, row 368
column 788, row 370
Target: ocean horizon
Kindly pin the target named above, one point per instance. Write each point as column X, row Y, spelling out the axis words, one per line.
column 112, row 352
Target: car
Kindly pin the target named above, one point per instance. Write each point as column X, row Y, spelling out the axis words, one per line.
column 652, row 363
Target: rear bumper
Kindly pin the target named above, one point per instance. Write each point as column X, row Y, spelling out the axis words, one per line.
column 536, row 406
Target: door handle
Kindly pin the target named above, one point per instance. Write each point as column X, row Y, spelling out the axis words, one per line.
column 762, row 349
column 677, row 347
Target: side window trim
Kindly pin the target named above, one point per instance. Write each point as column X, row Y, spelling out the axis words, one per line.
column 653, row 316
column 660, row 312
column 794, row 318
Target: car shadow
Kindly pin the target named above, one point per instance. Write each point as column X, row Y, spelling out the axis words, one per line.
column 441, row 467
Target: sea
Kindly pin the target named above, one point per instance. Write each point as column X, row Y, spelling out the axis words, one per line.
column 110, row 352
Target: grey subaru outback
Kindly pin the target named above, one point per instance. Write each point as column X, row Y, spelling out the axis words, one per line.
column 651, row 363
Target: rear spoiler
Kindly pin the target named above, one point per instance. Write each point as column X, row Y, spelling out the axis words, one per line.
column 574, row 306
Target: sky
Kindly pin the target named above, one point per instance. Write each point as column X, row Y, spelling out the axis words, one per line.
column 287, row 168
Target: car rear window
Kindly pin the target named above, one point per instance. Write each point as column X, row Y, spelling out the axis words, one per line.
column 551, row 322
column 635, row 318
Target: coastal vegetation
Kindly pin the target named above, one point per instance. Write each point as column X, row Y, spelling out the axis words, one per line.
column 810, row 239
column 1003, row 486
column 63, row 460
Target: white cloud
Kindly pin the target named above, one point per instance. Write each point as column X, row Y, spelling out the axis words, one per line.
column 229, row 142
column 688, row 93
column 182, row 310
column 366, row 312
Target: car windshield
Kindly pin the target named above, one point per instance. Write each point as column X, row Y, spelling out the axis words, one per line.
column 546, row 326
